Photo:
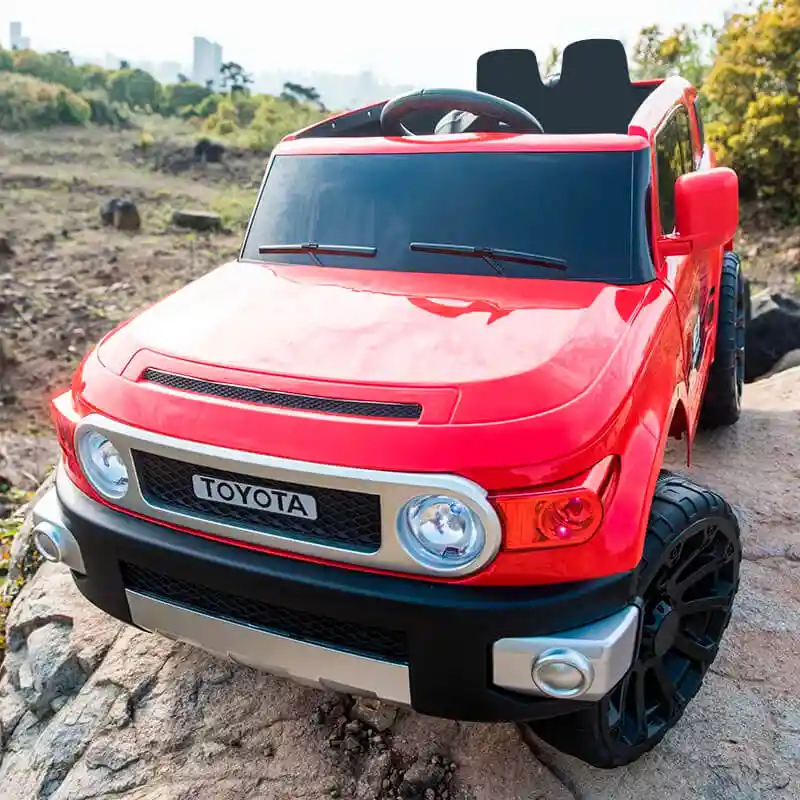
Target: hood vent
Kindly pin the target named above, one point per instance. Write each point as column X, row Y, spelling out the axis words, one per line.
column 299, row 402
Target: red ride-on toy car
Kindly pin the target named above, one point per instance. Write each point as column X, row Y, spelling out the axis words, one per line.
column 409, row 444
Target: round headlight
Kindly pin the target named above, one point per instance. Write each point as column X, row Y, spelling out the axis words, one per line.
column 440, row 532
column 103, row 465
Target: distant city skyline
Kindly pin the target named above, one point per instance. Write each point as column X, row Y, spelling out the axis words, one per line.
column 335, row 90
column 420, row 42
column 206, row 62
column 15, row 38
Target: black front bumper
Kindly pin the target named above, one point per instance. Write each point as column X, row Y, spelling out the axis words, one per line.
column 443, row 632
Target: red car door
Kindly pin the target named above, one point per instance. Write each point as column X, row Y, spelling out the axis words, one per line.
column 687, row 276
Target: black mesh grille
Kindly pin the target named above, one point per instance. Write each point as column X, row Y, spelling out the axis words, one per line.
column 247, row 394
column 364, row 640
column 344, row 519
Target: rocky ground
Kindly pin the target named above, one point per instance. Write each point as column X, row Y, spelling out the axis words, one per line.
column 90, row 708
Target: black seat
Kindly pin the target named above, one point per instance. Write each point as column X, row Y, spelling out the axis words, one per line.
column 593, row 93
column 594, row 90
column 514, row 75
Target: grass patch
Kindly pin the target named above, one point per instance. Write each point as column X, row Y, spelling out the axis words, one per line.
column 235, row 207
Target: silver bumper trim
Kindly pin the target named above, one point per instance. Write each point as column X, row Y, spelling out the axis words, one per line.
column 393, row 488
column 308, row 664
column 608, row 645
column 47, row 518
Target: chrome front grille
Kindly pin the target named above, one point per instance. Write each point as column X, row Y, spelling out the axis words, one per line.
column 344, row 519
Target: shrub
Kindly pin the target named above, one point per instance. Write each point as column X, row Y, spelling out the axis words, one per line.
column 259, row 121
column 49, row 67
column 208, row 106
column 104, row 112
column 753, row 92
column 182, row 98
column 26, row 102
column 6, row 60
column 136, row 88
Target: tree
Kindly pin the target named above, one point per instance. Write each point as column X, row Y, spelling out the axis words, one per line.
column 137, row 88
column 93, row 77
column 182, row 78
column 124, row 64
column 686, row 51
column 6, row 60
column 754, row 92
column 234, row 77
column 296, row 92
column 551, row 62
column 183, row 96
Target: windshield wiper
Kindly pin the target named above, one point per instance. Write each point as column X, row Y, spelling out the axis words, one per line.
column 312, row 248
column 491, row 255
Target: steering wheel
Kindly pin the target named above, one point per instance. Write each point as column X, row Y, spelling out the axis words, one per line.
column 480, row 104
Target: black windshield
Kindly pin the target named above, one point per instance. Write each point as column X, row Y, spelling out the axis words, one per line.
column 583, row 209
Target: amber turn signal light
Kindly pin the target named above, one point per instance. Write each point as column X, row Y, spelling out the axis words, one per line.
column 564, row 514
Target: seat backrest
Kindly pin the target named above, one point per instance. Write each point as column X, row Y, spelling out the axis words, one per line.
column 595, row 94
column 514, row 75
column 592, row 94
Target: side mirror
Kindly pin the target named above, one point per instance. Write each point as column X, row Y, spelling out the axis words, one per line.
column 706, row 211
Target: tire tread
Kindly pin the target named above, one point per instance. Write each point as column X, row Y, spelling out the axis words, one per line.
column 677, row 504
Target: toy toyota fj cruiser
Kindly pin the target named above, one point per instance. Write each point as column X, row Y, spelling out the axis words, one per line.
column 409, row 444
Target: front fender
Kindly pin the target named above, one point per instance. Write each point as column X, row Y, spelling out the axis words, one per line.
column 657, row 395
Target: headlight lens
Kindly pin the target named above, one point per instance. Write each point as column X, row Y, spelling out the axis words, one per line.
column 103, row 465
column 440, row 532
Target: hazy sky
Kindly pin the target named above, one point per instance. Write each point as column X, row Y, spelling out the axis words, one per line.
column 422, row 42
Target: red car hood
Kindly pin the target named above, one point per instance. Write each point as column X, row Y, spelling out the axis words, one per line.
column 502, row 348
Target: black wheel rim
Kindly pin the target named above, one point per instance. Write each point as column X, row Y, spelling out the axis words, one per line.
column 686, row 607
column 739, row 337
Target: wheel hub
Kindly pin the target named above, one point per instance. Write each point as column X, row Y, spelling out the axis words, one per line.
column 666, row 632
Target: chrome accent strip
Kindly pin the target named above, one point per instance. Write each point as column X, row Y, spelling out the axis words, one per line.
column 608, row 645
column 393, row 488
column 308, row 664
column 47, row 513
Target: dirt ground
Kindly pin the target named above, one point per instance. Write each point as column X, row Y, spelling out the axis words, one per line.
column 69, row 280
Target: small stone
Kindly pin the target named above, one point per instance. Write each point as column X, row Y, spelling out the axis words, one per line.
column 430, row 794
column 351, row 744
column 376, row 714
column 335, row 792
column 58, row 703
column 353, row 727
column 421, row 775
column 318, row 717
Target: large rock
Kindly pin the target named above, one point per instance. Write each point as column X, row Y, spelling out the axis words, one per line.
column 92, row 708
column 121, row 214
column 772, row 332
column 197, row 220
column 206, row 151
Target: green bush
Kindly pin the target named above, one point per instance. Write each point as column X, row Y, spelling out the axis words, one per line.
column 208, row 106
column 259, row 121
column 753, row 90
column 136, row 88
column 6, row 60
column 49, row 67
column 104, row 112
column 27, row 102
column 181, row 99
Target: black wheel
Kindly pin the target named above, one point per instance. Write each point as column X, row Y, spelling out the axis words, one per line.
column 722, row 404
column 687, row 580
